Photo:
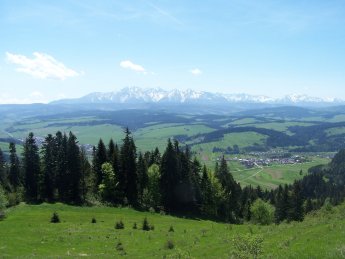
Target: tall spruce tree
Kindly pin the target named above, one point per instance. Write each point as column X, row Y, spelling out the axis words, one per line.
column 142, row 175
column 73, row 169
column 128, row 179
column 62, row 180
column 31, row 167
column 206, row 194
column 99, row 159
column 169, row 177
column 296, row 211
column 86, row 181
column 113, row 155
column 230, row 208
column 49, row 161
column 14, row 170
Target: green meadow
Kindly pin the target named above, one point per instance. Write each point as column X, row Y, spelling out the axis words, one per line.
column 27, row 232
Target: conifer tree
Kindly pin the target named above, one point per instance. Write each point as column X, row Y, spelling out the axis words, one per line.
column 99, row 159
column 128, row 179
column 62, row 180
column 14, row 170
column 49, row 167
column 206, row 194
column 86, row 181
column 31, row 167
column 73, row 169
column 230, row 208
column 296, row 211
column 169, row 177
column 142, row 175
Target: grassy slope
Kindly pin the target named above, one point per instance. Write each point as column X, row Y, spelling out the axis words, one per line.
column 27, row 232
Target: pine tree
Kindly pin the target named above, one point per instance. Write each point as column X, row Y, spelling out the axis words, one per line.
column 31, row 167
column 296, row 211
column 99, row 159
column 113, row 155
column 128, row 179
column 86, row 180
column 62, row 180
column 142, row 175
column 282, row 204
column 185, row 191
column 49, row 167
column 169, row 177
column 155, row 157
column 230, row 208
column 14, row 170
column 73, row 170
column 206, row 194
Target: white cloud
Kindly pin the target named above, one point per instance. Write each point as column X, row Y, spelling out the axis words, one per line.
column 127, row 64
column 196, row 71
column 42, row 66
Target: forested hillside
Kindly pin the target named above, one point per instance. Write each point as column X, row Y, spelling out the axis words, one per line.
column 174, row 181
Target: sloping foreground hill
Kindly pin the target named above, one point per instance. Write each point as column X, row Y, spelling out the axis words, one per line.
column 27, row 232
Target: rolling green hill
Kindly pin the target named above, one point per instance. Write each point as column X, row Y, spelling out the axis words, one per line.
column 321, row 235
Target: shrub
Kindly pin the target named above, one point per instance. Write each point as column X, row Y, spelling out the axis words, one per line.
column 119, row 246
column 55, row 218
column 119, row 225
column 262, row 212
column 169, row 244
column 171, row 229
column 146, row 226
column 135, row 225
column 93, row 220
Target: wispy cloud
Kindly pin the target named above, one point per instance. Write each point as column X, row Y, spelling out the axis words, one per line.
column 41, row 66
column 164, row 13
column 127, row 64
column 196, row 71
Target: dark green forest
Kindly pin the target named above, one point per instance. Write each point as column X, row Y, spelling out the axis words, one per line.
column 173, row 181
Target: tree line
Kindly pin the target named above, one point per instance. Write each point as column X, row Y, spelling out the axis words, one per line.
column 174, row 181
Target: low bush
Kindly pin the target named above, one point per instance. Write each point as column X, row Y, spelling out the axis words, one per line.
column 55, row 218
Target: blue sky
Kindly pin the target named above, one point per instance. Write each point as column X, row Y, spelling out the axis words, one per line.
column 68, row 48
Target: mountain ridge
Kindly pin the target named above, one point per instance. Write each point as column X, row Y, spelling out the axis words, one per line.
column 189, row 96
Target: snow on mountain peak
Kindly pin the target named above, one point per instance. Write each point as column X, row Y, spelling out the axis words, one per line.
column 134, row 94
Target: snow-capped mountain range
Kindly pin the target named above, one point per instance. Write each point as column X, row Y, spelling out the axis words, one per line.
column 132, row 95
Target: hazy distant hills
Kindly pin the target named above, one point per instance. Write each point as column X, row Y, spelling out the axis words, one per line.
column 136, row 95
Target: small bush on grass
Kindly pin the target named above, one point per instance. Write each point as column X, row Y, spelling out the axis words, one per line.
column 119, row 225
column 146, row 226
column 119, row 247
column 93, row 220
column 55, row 218
column 169, row 244
column 135, row 225
column 171, row 229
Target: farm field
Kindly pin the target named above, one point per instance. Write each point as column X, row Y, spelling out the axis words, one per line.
column 321, row 235
column 270, row 177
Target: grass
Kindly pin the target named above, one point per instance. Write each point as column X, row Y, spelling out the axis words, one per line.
column 242, row 139
column 27, row 232
column 335, row 131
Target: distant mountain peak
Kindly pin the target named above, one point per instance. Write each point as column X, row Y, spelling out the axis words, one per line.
column 134, row 94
